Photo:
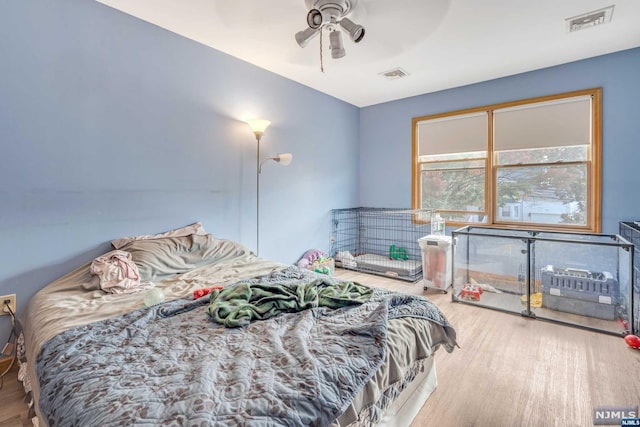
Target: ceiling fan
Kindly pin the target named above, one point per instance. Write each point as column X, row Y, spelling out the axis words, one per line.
column 330, row 15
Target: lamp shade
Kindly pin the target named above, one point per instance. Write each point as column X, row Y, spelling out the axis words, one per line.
column 258, row 126
column 284, row 159
column 335, row 44
column 315, row 19
column 303, row 37
column 356, row 32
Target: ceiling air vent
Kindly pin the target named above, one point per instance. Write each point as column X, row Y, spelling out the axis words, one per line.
column 589, row 19
column 396, row 73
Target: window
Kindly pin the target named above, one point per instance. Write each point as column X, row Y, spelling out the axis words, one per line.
column 531, row 163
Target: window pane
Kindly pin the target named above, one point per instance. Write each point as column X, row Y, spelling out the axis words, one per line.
column 454, row 156
column 467, row 164
column 453, row 188
column 577, row 153
column 543, row 194
column 468, row 218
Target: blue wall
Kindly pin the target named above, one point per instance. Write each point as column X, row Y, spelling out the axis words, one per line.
column 385, row 129
column 110, row 127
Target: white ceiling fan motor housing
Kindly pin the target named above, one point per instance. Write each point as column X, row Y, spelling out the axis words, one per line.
column 327, row 13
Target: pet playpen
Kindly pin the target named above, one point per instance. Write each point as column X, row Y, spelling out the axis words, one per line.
column 380, row 241
column 579, row 279
column 631, row 232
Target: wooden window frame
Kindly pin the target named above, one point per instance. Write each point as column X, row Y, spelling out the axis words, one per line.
column 593, row 165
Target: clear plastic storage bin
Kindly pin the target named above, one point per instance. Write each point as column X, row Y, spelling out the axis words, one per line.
column 436, row 261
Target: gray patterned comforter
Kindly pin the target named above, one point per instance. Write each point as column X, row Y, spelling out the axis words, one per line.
column 171, row 365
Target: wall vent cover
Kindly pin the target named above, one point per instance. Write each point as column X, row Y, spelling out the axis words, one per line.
column 589, row 19
column 396, row 73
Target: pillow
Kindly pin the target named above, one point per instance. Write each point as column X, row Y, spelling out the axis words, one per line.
column 188, row 230
column 159, row 259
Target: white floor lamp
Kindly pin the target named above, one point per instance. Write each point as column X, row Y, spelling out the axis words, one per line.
column 258, row 126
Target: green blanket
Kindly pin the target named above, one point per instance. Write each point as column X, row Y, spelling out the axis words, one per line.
column 243, row 303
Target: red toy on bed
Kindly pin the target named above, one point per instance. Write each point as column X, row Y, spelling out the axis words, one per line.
column 199, row 293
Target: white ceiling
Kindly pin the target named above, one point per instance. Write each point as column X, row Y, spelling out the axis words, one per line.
column 440, row 43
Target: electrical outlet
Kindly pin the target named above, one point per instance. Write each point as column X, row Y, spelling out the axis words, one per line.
column 12, row 303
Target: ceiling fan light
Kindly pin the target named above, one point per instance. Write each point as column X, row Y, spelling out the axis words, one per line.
column 314, row 18
column 303, row 37
column 356, row 32
column 335, row 44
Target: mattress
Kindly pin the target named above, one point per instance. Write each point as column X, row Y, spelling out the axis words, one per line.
column 179, row 266
column 388, row 266
column 411, row 399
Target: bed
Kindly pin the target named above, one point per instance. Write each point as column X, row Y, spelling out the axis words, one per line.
column 97, row 358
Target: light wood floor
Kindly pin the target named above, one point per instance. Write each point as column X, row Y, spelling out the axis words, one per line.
column 514, row 371
column 509, row 371
column 13, row 411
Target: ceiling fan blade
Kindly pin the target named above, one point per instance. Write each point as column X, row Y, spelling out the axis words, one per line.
column 261, row 15
column 394, row 26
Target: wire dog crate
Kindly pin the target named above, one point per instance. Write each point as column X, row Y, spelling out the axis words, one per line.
column 380, row 240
